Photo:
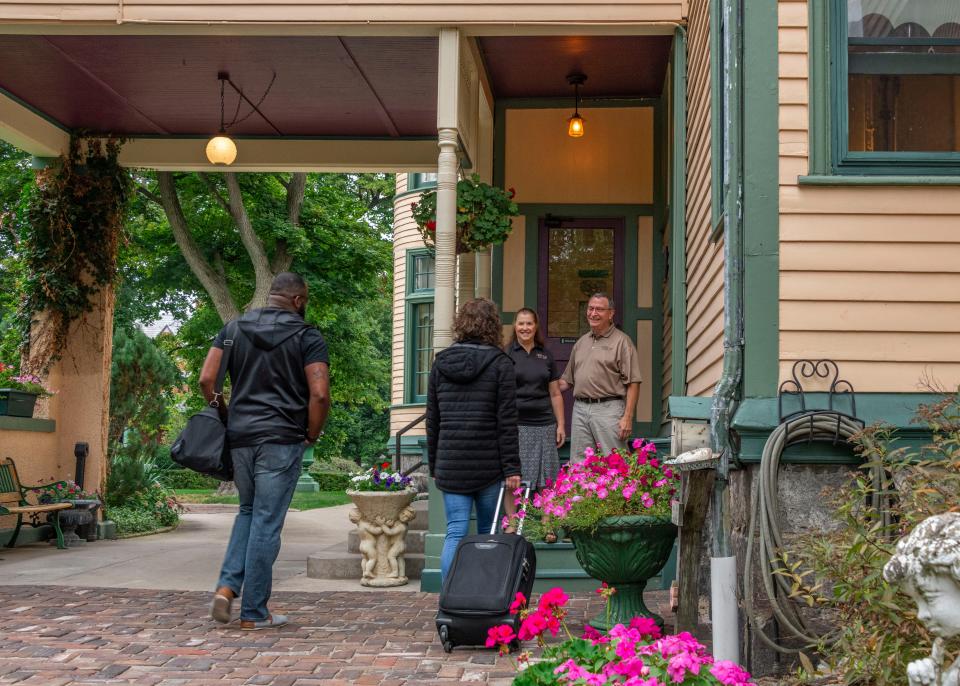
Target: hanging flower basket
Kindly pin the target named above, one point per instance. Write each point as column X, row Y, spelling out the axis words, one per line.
column 483, row 215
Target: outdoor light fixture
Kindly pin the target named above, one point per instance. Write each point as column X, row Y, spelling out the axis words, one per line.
column 221, row 149
column 575, row 123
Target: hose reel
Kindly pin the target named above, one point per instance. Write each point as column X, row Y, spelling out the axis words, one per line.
column 828, row 425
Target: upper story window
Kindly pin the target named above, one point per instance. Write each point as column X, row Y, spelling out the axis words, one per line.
column 415, row 181
column 896, row 86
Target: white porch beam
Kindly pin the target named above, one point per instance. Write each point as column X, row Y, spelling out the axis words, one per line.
column 448, row 85
column 22, row 127
column 278, row 155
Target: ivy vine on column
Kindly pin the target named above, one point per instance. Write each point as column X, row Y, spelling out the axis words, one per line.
column 76, row 218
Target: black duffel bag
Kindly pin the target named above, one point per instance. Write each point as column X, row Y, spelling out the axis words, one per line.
column 202, row 445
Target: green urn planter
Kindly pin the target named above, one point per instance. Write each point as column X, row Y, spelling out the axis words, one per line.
column 625, row 552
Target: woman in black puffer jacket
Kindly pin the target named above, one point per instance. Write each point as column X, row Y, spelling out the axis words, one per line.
column 472, row 443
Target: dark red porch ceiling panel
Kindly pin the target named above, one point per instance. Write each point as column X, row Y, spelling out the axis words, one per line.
column 537, row 66
column 325, row 86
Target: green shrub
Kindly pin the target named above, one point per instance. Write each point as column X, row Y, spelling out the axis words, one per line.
column 130, row 520
column 877, row 632
column 334, row 465
column 187, row 478
column 331, row 481
column 151, row 508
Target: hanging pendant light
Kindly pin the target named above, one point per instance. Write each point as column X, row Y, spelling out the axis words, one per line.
column 221, row 149
column 575, row 123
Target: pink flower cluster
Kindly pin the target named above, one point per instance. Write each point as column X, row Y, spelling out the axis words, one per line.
column 633, row 655
column 631, row 483
column 637, row 655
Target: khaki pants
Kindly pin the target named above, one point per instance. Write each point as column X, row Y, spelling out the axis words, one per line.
column 593, row 424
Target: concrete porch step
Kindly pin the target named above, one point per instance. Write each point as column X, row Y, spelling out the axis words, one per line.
column 339, row 564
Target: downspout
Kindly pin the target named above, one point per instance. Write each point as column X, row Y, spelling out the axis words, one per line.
column 723, row 563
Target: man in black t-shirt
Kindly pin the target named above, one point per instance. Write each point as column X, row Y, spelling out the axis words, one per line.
column 279, row 374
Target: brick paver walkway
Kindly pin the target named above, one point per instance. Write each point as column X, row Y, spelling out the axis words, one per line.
column 55, row 635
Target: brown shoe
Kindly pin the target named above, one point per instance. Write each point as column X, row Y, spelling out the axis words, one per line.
column 271, row 622
column 221, row 604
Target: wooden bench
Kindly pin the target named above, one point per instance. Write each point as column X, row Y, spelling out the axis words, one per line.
column 13, row 501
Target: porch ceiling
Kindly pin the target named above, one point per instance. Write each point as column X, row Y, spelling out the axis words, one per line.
column 537, row 66
column 167, row 85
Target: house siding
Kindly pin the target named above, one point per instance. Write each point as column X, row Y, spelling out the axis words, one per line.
column 406, row 237
column 869, row 276
column 333, row 12
column 704, row 256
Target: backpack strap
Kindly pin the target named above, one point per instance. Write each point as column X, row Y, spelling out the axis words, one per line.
column 224, row 363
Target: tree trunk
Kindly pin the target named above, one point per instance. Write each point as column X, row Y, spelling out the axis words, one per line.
column 213, row 282
column 212, row 276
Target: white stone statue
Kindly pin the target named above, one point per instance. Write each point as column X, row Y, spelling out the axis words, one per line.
column 397, row 543
column 927, row 562
column 382, row 544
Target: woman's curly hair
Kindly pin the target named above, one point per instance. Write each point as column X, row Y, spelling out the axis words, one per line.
column 478, row 320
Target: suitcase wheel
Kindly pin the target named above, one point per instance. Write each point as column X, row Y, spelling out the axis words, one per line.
column 445, row 638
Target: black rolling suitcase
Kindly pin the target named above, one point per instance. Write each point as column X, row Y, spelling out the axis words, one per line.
column 488, row 571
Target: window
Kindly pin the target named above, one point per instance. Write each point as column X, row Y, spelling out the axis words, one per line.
column 895, row 86
column 421, row 275
column 415, row 181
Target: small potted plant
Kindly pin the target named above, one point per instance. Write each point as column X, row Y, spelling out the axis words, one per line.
column 19, row 392
column 382, row 498
column 616, row 510
column 634, row 652
column 483, row 215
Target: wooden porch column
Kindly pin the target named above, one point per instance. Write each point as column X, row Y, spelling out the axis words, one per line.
column 447, row 136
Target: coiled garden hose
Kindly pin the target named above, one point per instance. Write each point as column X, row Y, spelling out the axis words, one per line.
column 765, row 517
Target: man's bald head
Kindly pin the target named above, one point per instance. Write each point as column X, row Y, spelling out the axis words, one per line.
column 288, row 284
column 289, row 291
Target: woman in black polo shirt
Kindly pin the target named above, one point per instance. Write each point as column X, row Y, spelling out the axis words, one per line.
column 539, row 403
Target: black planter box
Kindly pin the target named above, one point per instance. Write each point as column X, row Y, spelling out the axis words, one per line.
column 16, row 403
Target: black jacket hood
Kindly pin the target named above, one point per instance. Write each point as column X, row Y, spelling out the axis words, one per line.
column 464, row 362
column 269, row 327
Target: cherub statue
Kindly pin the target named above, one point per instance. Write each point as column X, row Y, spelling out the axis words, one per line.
column 927, row 562
column 369, row 533
column 397, row 542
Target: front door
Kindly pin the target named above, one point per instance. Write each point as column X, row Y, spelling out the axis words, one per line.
column 578, row 257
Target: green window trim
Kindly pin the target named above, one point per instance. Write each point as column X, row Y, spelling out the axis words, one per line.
column 829, row 116
column 416, row 297
column 420, row 181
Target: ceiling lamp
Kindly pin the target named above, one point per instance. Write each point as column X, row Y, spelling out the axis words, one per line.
column 575, row 123
column 221, row 149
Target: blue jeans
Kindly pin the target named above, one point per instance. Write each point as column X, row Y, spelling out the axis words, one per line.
column 458, row 507
column 266, row 476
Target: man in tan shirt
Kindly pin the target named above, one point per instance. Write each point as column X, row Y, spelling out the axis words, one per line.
column 604, row 372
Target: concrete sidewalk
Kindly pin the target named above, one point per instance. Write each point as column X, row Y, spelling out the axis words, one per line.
column 186, row 559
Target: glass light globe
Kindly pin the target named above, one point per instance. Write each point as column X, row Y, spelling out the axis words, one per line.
column 575, row 129
column 221, row 150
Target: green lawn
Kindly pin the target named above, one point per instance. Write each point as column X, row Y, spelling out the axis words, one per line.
column 301, row 501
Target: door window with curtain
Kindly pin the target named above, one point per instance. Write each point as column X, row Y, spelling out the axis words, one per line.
column 421, row 279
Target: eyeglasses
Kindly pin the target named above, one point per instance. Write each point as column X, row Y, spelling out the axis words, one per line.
column 597, row 309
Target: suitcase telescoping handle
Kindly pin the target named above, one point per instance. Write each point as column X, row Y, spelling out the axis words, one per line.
column 496, row 513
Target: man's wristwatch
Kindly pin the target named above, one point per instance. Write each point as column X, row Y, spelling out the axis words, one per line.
column 315, row 439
